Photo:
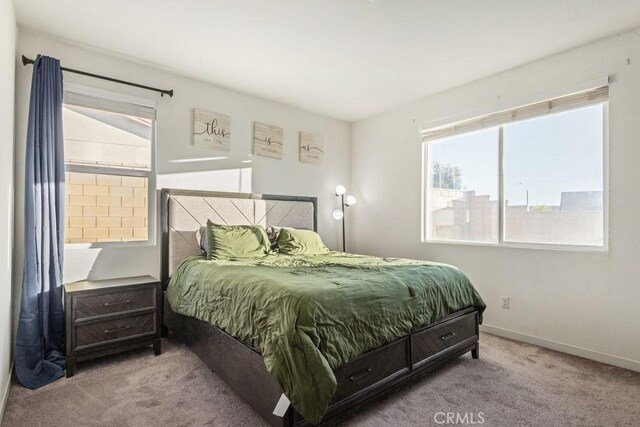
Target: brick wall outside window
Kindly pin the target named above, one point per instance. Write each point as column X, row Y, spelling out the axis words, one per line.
column 105, row 208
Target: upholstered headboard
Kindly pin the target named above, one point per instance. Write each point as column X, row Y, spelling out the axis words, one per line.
column 185, row 211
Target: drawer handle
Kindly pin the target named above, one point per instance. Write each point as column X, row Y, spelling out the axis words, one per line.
column 447, row 336
column 108, row 304
column 110, row 331
column 360, row 375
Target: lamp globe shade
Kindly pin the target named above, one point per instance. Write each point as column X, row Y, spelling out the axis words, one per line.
column 340, row 190
column 351, row 200
column 338, row 214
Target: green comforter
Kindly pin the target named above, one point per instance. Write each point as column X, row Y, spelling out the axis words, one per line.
column 308, row 315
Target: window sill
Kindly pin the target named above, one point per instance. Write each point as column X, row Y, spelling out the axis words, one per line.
column 110, row 245
column 521, row 245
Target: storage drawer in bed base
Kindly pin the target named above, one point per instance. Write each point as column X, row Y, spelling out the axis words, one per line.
column 445, row 336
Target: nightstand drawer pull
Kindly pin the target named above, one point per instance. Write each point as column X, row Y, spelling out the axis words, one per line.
column 447, row 336
column 109, row 304
column 110, row 331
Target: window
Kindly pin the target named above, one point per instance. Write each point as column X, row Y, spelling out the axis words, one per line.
column 463, row 192
column 109, row 162
column 531, row 176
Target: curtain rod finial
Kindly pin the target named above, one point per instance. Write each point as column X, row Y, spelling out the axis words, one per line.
column 26, row 60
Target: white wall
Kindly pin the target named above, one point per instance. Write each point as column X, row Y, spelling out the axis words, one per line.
column 287, row 176
column 585, row 303
column 7, row 74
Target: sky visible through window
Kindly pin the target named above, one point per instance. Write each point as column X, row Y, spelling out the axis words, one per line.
column 547, row 155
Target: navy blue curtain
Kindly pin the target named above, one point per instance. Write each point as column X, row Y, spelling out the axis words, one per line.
column 39, row 355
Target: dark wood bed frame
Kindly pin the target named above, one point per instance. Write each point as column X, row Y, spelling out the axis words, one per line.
column 361, row 381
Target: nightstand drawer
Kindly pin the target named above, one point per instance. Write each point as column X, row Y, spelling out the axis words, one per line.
column 114, row 329
column 114, row 302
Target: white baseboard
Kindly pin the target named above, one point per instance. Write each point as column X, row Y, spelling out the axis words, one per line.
column 609, row 359
column 5, row 394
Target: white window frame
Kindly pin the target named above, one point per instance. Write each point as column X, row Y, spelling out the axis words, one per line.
column 150, row 175
column 426, row 179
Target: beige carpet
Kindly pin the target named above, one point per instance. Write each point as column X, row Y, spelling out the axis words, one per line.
column 512, row 384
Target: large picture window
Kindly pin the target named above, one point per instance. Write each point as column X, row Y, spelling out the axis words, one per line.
column 109, row 162
column 531, row 176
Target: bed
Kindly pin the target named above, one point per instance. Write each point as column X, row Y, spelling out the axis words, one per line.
column 337, row 365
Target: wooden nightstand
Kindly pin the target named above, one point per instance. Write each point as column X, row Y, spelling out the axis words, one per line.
column 109, row 316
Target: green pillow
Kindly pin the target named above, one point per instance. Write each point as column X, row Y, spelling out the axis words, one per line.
column 236, row 241
column 292, row 241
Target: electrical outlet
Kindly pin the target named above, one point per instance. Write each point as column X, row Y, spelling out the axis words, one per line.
column 504, row 301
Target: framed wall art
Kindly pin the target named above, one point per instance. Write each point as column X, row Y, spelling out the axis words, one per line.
column 211, row 130
column 267, row 140
column 311, row 147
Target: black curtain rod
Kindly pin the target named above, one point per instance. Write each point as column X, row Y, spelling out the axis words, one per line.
column 27, row 61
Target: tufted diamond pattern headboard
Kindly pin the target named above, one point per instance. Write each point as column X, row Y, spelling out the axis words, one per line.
column 185, row 211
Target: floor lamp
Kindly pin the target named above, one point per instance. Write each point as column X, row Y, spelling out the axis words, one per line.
column 338, row 214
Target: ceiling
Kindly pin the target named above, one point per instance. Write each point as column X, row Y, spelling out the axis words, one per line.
column 347, row 59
